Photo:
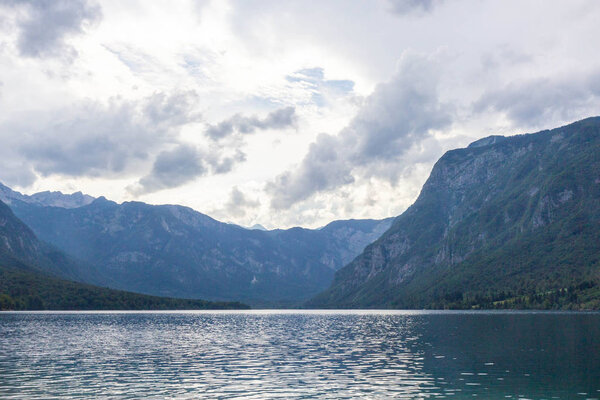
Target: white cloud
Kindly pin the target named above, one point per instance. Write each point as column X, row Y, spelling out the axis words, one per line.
column 393, row 121
column 108, row 100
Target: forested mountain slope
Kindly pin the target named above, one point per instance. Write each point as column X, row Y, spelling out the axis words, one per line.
column 29, row 279
column 506, row 222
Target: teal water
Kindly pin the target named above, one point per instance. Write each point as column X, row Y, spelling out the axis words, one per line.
column 304, row 354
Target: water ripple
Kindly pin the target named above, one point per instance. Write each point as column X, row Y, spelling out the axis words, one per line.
column 290, row 355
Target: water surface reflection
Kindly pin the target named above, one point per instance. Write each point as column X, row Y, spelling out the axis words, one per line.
column 299, row 355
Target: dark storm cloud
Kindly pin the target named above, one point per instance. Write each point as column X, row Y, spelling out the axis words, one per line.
column 93, row 139
column 403, row 7
column 278, row 119
column 398, row 116
column 532, row 103
column 44, row 25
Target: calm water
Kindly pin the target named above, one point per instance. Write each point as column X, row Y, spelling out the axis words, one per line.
column 270, row 354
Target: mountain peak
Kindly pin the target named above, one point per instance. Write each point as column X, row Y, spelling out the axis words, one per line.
column 517, row 216
column 258, row 227
column 46, row 198
column 486, row 141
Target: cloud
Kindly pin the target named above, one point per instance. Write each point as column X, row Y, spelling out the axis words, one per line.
column 278, row 119
column 238, row 204
column 532, row 103
column 172, row 168
column 17, row 173
column 45, row 25
column 404, row 7
column 173, row 109
column 94, row 139
column 313, row 80
column 395, row 120
column 183, row 164
column 222, row 164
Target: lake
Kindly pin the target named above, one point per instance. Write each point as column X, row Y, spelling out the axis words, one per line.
column 300, row 354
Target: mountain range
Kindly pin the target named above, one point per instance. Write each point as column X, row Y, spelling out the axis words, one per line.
column 29, row 278
column 171, row 250
column 508, row 222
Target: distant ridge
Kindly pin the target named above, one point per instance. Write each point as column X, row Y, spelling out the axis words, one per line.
column 175, row 251
column 258, row 227
column 30, row 271
column 47, row 198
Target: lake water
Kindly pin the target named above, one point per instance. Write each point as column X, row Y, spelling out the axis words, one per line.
column 304, row 354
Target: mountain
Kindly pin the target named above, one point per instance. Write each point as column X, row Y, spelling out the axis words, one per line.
column 54, row 199
column 20, row 246
column 171, row 250
column 28, row 280
column 258, row 227
column 507, row 222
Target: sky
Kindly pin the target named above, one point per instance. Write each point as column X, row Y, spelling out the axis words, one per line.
column 279, row 113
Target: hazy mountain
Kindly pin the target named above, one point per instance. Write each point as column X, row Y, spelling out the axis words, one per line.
column 506, row 222
column 17, row 241
column 29, row 278
column 258, row 227
column 54, row 199
column 20, row 246
column 175, row 251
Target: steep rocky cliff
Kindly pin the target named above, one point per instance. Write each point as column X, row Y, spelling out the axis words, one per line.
column 495, row 222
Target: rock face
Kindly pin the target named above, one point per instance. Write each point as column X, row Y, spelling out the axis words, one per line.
column 175, row 251
column 515, row 214
column 17, row 241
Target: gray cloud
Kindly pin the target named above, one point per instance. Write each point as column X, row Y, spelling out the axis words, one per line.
column 504, row 55
column 239, row 204
column 181, row 165
column 44, row 25
column 222, row 164
column 176, row 167
column 396, row 118
column 403, row 7
column 172, row 109
column 532, row 103
column 17, row 173
column 93, row 139
column 172, row 168
column 278, row 119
